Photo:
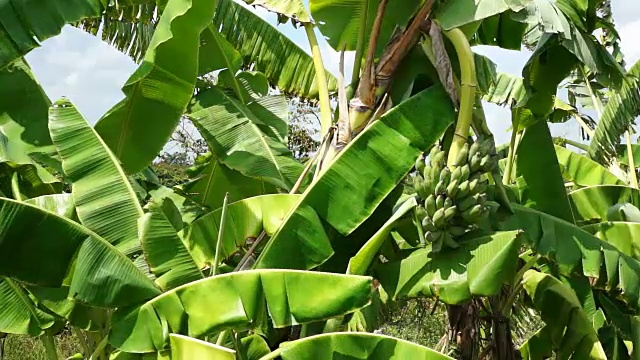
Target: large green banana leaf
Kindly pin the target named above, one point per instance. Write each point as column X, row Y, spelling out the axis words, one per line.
column 168, row 258
column 216, row 53
column 60, row 204
column 506, row 89
column 342, row 21
column 104, row 199
column 625, row 236
column 456, row 13
column 187, row 348
column 19, row 312
column 591, row 203
column 238, row 300
column 567, row 327
column 284, row 63
column 538, row 165
column 23, row 24
column 67, row 253
column 360, row 262
column 583, row 171
column 160, row 89
column 356, row 346
column 235, row 138
column 212, row 180
column 245, row 219
column 479, row 267
column 574, row 249
column 359, row 179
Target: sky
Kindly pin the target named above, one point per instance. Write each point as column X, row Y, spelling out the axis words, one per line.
column 91, row 73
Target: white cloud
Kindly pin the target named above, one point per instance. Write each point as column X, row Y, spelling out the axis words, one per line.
column 630, row 45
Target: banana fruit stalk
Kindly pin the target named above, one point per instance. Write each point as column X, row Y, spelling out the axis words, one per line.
column 452, row 203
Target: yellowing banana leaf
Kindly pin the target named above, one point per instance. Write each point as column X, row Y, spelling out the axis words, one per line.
column 479, row 267
column 158, row 92
column 290, row 8
column 187, row 348
column 360, row 263
column 168, row 258
column 65, row 251
column 359, row 179
column 235, row 139
column 583, row 171
column 357, row 346
column 625, row 236
column 238, row 300
column 591, row 203
column 104, row 199
column 341, row 21
column 265, row 48
column 569, row 329
column 574, row 249
column 245, row 219
column 19, row 313
column 24, row 26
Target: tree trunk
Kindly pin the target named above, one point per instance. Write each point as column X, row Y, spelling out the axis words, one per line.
column 463, row 328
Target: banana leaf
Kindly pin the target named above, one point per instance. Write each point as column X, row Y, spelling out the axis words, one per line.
column 104, row 199
column 293, row 9
column 591, row 203
column 625, row 236
column 160, row 88
column 235, row 138
column 20, row 313
column 238, row 300
column 358, row 180
column 168, row 258
column 67, row 253
column 574, row 249
column 567, row 326
column 357, row 346
column 187, row 348
column 457, row 13
column 583, row 171
column 245, row 219
column 479, row 267
column 60, row 204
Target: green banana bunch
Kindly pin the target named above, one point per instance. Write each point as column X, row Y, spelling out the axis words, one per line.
column 453, row 200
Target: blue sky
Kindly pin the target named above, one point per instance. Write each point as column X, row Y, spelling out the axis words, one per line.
column 90, row 72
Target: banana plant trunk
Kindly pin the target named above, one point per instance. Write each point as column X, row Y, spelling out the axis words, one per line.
column 463, row 329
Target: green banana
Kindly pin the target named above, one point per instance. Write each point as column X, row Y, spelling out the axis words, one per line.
column 420, row 165
column 473, row 149
column 485, row 163
column 473, row 214
column 430, row 205
column 420, row 187
column 438, row 218
column 457, row 172
column 473, row 185
column 428, row 225
column 445, row 175
column 440, row 201
column 449, row 213
column 468, row 202
column 474, row 163
column 441, row 188
column 461, row 157
column 465, row 172
column 438, row 160
column 420, row 212
column 448, row 202
column 434, row 150
column 457, row 230
column 463, row 189
column 432, row 236
column 427, row 187
column 452, row 188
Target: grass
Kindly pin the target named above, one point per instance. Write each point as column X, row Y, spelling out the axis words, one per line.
column 23, row 347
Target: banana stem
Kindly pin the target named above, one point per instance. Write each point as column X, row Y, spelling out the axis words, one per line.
column 632, row 165
column 467, row 92
column 223, row 220
column 321, row 80
column 506, row 177
column 49, row 346
column 594, row 99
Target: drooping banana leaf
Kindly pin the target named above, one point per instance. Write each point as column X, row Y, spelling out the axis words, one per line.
column 357, row 346
column 457, row 13
column 574, row 249
column 284, row 63
column 212, row 180
column 625, row 236
column 507, row 89
column 479, row 267
column 245, row 219
column 168, row 258
column 567, row 326
column 187, row 348
column 57, row 301
column 359, row 179
column 235, row 139
column 23, row 26
column 293, row 9
column 341, row 21
column 238, row 300
column 160, row 88
column 67, row 253
column 104, row 199
column 583, row 171
column 19, row 312
column 591, row 203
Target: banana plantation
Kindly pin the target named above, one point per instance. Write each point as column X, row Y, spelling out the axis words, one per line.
column 260, row 255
